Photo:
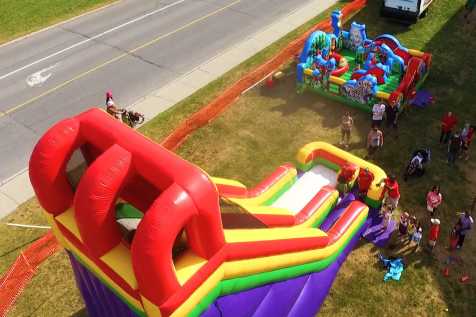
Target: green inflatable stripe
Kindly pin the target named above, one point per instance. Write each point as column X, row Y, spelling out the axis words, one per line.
column 239, row 284
column 280, row 192
column 309, row 165
column 124, row 210
column 324, row 214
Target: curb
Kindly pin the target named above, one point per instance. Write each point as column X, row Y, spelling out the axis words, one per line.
column 17, row 189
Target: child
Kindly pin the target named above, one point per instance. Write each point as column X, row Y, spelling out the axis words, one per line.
column 387, row 215
column 417, row 236
column 434, row 233
column 412, row 228
column 454, row 237
column 403, row 225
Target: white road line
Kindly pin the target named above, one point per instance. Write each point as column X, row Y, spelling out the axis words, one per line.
column 92, row 38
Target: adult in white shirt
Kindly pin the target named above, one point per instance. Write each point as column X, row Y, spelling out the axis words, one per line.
column 378, row 110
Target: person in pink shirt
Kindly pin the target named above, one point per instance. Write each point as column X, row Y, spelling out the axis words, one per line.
column 434, row 198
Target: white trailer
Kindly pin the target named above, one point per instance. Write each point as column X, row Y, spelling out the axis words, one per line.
column 407, row 10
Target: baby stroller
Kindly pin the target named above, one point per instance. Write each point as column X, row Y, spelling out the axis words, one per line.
column 416, row 165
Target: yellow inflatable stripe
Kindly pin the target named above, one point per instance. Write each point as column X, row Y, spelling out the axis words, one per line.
column 150, row 308
column 327, row 204
column 265, row 210
column 119, row 260
column 258, row 265
column 267, row 234
column 415, row 53
column 187, row 265
column 67, row 219
column 308, row 71
column 337, row 80
column 272, row 190
column 382, row 95
column 226, row 181
column 200, row 293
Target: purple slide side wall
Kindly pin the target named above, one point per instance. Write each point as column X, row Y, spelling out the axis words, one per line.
column 99, row 299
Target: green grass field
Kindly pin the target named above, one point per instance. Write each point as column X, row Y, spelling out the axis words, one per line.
column 266, row 127
column 20, row 17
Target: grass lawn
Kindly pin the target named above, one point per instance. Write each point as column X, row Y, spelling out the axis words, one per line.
column 266, row 127
column 20, row 17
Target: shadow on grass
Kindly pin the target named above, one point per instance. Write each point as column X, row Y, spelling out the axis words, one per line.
column 80, row 313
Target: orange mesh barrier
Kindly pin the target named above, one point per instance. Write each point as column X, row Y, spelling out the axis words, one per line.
column 219, row 104
column 23, row 269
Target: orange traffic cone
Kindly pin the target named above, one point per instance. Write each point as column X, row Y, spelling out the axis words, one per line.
column 464, row 278
column 446, row 272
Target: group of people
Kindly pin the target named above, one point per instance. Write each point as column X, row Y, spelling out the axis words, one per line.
column 458, row 141
column 409, row 227
column 375, row 136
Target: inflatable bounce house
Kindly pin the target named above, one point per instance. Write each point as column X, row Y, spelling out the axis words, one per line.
column 350, row 68
column 150, row 234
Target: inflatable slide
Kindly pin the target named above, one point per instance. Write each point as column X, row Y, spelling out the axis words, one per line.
column 283, row 264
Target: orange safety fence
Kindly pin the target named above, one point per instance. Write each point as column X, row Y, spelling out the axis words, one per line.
column 224, row 100
column 23, row 269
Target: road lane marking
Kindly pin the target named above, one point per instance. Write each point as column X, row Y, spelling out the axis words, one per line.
column 40, row 77
column 91, row 38
column 157, row 39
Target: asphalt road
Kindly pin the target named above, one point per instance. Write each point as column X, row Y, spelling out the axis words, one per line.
column 131, row 48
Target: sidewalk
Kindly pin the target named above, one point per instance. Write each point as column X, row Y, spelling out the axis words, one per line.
column 17, row 189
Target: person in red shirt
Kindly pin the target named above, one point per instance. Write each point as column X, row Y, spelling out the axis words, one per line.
column 448, row 122
column 345, row 176
column 392, row 190
column 434, row 232
column 364, row 181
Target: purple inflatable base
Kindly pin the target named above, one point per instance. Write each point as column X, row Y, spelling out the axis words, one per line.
column 99, row 299
column 375, row 232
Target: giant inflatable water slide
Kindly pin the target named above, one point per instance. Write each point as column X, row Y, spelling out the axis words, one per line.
column 276, row 256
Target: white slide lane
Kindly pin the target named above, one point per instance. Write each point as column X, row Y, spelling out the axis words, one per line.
column 305, row 188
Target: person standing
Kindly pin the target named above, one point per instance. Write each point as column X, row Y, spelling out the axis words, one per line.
column 465, row 223
column 454, row 147
column 346, row 128
column 433, row 199
column 391, row 114
column 434, row 233
column 374, row 141
column 448, row 122
column 378, row 110
column 466, row 139
column 392, row 189
column 364, row 181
